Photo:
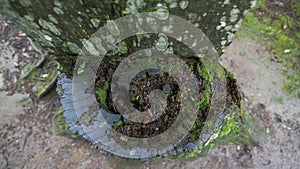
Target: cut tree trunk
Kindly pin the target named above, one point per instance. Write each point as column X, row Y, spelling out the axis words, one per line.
column 61, row 27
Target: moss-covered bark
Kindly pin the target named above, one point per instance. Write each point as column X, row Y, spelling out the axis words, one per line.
column 61, row 26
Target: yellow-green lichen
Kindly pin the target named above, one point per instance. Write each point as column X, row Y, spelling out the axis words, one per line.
column 25, row 3
column 73, row 48
column 29, row 18
column 57, row 3
column 81, row 68
column 52, row 19
column 95, row 22
column 58, row 11
column 49, row 26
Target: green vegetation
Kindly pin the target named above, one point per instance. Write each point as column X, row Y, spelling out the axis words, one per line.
column 42, row 86
column 278, row 28
column 101, row 95
column 34, row 73
column 205, row 96
column 60, row 126
column 238, row 127
column 42, row 78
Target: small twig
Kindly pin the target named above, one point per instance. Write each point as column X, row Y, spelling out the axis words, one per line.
column 34, row 47
column 39, row 79
column 44, row 57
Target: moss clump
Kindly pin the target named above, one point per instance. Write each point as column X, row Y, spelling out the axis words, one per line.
column 60, row 126
column 206, row 80
column 238, row 127
column 278, row 29
column 101, row 95
column 32, row 74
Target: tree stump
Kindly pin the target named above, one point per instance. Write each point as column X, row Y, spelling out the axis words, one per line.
column 73, row 30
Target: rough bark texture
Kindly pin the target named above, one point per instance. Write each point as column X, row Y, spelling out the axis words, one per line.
column 61, row 26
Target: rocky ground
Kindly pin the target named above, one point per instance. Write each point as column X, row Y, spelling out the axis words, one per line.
column 28, row 140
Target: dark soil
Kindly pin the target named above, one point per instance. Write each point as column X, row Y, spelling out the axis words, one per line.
column 141, row 86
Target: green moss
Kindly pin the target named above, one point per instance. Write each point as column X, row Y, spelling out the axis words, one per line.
column 261, row 4
column 237, row 128
column 42, row 86
column 278, row 33
column 117, row 124
column 292, row 85
column 278, row 100
column 135, row 98
column 101, row 94
column 60, row 126
column 205, row 96
column 117, row 52
column 241, row 128
column 297, row 8
column 192, row 136
column 32, row 74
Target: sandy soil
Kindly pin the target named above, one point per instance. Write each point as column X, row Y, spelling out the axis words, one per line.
column 27, row 139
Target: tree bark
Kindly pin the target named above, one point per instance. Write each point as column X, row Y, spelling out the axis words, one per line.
column 60, row 26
